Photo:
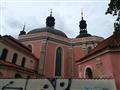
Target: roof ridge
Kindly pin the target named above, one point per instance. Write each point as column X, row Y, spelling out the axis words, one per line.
column 110, row 42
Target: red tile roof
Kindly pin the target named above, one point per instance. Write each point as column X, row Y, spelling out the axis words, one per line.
column 11, row 39
column 111, row 42
column 16, row 41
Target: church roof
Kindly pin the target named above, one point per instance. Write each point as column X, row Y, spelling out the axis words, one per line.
column 49, row 30
column 111, row 42
column 83, row 28
column 81, row 35
column 19, row 45
column 50, row 23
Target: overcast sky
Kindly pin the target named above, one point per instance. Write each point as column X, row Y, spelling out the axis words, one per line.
column 67, row 14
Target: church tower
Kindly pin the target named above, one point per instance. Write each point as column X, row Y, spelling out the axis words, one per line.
column 83, row 28
column 50, row 20
column 23, row 31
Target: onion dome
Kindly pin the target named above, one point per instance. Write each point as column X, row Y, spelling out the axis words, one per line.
column 50, row 23
column 23, row 31
column 83, row 28
column 49, row 30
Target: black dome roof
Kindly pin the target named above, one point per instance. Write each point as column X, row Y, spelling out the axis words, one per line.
column 48, row 29
column 83, row 24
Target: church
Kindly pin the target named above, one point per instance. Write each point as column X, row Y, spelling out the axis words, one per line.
column 56, row 52
column 48, row 53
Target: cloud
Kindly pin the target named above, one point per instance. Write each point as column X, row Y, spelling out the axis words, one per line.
column 13, row 23
column 2, row 7
column 67, row 15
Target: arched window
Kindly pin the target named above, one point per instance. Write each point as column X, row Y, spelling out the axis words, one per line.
column 58, row 64
column 89, row 49
column 89, row 73
column 1, row 75
column 18, row 76
column 30, row 47
column 14, row 59
column 28, row 77
column 4, row 54
column 23, row 62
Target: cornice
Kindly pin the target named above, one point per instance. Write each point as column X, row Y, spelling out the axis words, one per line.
column 59, row 39
column 97, row 54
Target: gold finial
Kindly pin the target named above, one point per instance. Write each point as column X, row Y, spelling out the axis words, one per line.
column 82, row 14
column 51, row 12
column 24, row 27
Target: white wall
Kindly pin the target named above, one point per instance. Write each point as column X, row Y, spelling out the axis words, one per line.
column 77, row 84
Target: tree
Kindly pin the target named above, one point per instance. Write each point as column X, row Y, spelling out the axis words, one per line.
column 114, row 8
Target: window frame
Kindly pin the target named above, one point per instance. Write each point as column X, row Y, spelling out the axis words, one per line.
column 23, row 62
column 59, row 51
column 4, row 54
column 14, row 58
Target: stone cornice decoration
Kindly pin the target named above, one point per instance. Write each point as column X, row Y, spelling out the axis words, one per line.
column 98, row 53
column 10, row 66
column 110, row 43
column 59, row 39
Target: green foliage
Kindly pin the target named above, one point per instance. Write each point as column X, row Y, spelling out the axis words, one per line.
column 114, row 7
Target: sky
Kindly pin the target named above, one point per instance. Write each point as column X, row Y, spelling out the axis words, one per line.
column 67, row 13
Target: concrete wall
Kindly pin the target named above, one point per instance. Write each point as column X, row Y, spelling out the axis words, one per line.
column 76, row 84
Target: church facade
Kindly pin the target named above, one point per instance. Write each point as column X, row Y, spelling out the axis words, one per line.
column 56, row 52
column 16, row 61
column 48, row 53
column 103, row 61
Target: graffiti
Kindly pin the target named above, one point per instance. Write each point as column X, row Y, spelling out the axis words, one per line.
column 54, row 84
column 7, row 87
column 57, row 84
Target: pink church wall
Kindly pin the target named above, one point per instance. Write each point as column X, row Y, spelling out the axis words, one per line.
column 30, row 62
column 36, row 47
column 11, row 74
column 83, row 67
column 77, row 54
column 108, row 67
column 49, row 69
column 115, row 59
column 49, row 62
column 103, row 69
column 65, row 63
